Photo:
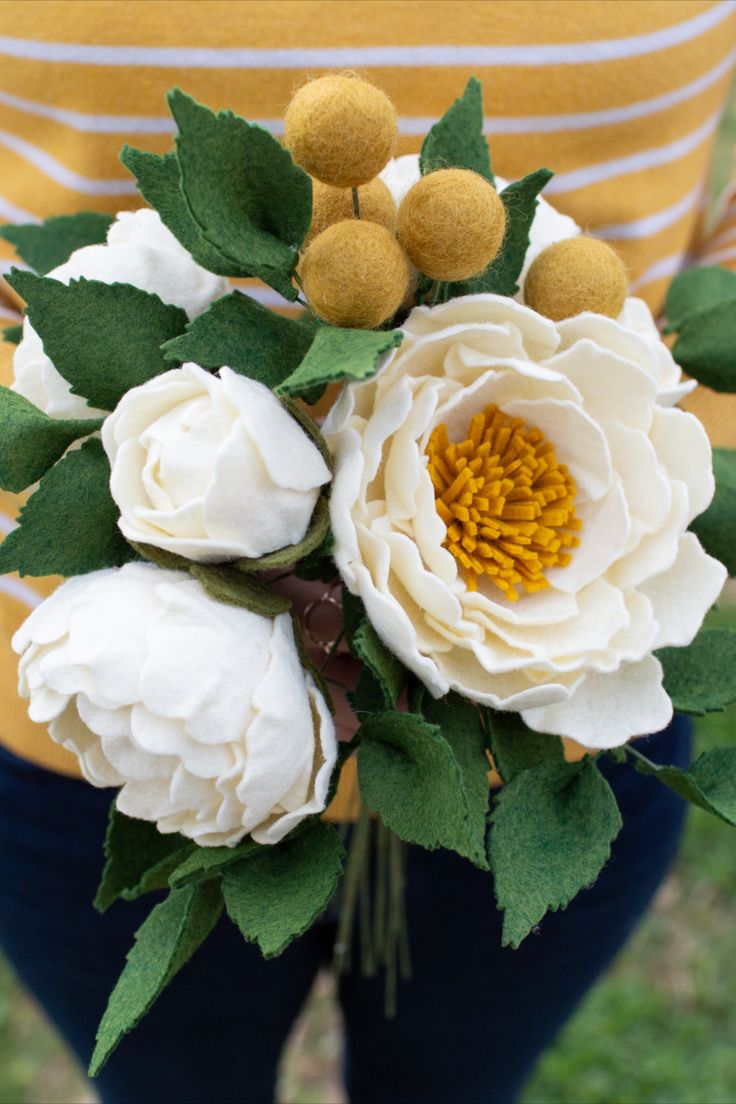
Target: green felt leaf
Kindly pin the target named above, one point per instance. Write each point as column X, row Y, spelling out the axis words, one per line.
column 102, row 338
column 227, row 584
column 502, row 275
column 13, row 334
column 710, row 782
column 456, row 140
column 159, row 182
column 241, row 334
column 339, row 354
column 32, row 441
column 716, row 528
column 460, row 723
column 139, row 858
column 163, row 944
column 69, row 526
column 551, row 832
column 51, row 243
column 318, row 564
column 367, row 697
column 696, row 290
column 353, row 613
column 205, row 863
column 313, row 539
column 706, row 346
column 277, row 894
column 383, row 664
column 701, row 678
column 250, row 199
column 515, row 747
column 411, row 775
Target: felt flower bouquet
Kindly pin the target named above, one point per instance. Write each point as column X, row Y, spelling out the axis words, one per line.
column 520, row 529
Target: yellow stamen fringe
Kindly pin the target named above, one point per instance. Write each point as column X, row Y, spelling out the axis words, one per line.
column 509, row 507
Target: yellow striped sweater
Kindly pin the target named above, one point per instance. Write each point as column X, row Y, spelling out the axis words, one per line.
column 622, row 99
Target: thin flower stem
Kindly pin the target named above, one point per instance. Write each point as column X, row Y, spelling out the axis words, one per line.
column 332, row 649
column 356, row 203
column 642, row 758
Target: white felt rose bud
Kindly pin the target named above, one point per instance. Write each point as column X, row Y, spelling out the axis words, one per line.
column 199, row 710
column 211, row 467
column 139, row 251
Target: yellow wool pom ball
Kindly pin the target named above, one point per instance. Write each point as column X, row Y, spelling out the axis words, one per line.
column 355, row 273
column 452, row 224
column 576, row 275
column 330, row 205
column 341, row 129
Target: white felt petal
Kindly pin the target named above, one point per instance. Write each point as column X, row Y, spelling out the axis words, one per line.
column 683, row 447
column 607, row 710
column 682, row 595
column 612, row 387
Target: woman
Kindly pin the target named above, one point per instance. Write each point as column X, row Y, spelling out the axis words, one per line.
column 622, row 99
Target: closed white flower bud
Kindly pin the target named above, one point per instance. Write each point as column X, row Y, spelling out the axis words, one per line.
column 211, row 467
column 199, row 710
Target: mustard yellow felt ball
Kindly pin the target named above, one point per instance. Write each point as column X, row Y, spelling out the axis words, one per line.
column 341, row 129
column 355, row 273
column 580, row 274
column 330, row 205
column 452, row 224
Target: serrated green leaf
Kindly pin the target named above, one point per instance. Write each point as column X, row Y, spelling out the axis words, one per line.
column 227, row 584
column 383, row 664
column 410, row 775
column 696, row 290
column 13, row 334
column 278, row 893
column 313, row 539
column 515, row 747
column 710, row 782
column 69, row 526
column 239, row 333
column 138, row 858
column 318, row 564
column 163, row 944
column 460, row 723
column 51, row 243
column 456, row 140
column 367, row 697
column 716, row 528
column 102, row 338
column 502, row 275
column 243, row 189
column 551, row 833
column 353, row 613
column 339, row 354
column 206, row 863
column 706, row 346
column 159, row 182
column 32, row 441
column 701, row 678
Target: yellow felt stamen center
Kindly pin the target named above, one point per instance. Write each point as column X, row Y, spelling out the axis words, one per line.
column 508, row 505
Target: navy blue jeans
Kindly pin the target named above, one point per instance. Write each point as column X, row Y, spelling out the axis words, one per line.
column 470, row 1023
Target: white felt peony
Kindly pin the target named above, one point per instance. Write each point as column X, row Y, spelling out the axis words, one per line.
column 576, row 658
column 200, row 711
column 139, row 251
column 211, row 467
